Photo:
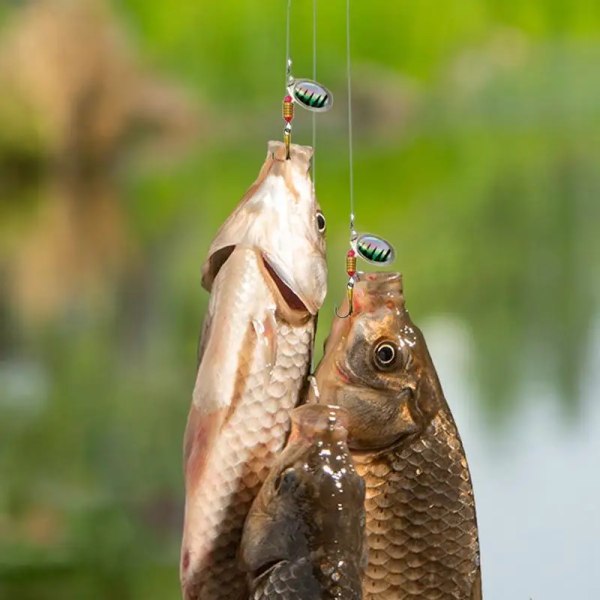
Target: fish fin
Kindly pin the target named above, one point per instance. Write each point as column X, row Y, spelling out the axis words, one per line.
column 307, row 388
column 228, row 340
column 220, row 389
column 266, row 334
column 476, row 592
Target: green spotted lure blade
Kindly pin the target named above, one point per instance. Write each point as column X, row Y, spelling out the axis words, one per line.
column 311, row 95
column 374, row 249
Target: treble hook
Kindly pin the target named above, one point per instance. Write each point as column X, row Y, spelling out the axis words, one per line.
column 350, row 296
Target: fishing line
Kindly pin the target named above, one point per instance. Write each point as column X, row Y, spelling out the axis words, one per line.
column 288, row 60
column 308, row 93
column 369, row 247
column 350, row 153
column 314, row 75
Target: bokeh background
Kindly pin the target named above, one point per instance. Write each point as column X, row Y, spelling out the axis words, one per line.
column 129, row 129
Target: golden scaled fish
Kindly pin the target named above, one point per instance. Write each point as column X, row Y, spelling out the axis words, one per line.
column 267, row 274
column 421, row 522
column 304, row 536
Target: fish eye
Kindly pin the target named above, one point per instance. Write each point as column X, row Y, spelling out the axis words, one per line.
column 385, row 355
column 286, row 481
column 321, row 223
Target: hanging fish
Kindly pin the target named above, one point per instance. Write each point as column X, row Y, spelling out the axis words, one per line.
column 304, row 536
column 267, row 276
column 311, row 95
column 421, row 522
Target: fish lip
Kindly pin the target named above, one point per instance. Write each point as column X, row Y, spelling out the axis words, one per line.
column 341, row 371
column 290, row 297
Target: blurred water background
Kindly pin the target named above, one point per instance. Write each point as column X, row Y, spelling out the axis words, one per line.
column 130, row 129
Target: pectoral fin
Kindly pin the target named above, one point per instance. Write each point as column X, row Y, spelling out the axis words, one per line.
column 265, row 331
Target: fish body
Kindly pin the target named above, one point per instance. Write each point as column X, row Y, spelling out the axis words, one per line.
column 267, row 275
column 421, row 521
column 304, row 536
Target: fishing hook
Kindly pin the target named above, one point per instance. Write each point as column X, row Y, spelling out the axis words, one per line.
column 350, row 296
column 351, row 271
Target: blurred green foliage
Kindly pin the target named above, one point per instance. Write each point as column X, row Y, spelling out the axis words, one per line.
column 477, row 135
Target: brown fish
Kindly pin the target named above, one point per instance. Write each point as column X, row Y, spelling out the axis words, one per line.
column 421, row 522
column 267, row 275
column 304, row 536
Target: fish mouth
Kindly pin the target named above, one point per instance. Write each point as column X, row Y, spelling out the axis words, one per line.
column 342, row 373
column 287, row 293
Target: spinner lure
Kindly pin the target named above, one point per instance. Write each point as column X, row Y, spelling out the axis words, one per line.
column 371, row 248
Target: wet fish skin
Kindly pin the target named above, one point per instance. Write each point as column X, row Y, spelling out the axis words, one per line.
column 304, row 536
column 421, row 520
column 267, row 275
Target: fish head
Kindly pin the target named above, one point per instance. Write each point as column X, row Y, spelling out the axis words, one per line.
column 376, row 365
column 313, row 499
column 280, row 217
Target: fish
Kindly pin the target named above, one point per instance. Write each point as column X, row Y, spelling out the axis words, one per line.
column 421, row 518
column 304, row 538
column 266, row 272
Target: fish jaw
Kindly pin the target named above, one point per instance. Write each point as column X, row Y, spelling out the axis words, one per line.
column 278, row 217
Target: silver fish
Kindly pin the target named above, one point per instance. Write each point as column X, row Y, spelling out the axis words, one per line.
column 267, row 275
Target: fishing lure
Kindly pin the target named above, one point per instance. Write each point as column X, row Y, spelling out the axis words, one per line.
column 306, row 93
column 372, row 249
column 369, row 247
column 311, row 95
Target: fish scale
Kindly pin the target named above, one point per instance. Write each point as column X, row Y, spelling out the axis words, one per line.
column 296, row 581
column 419, row 499
column 247, row 448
